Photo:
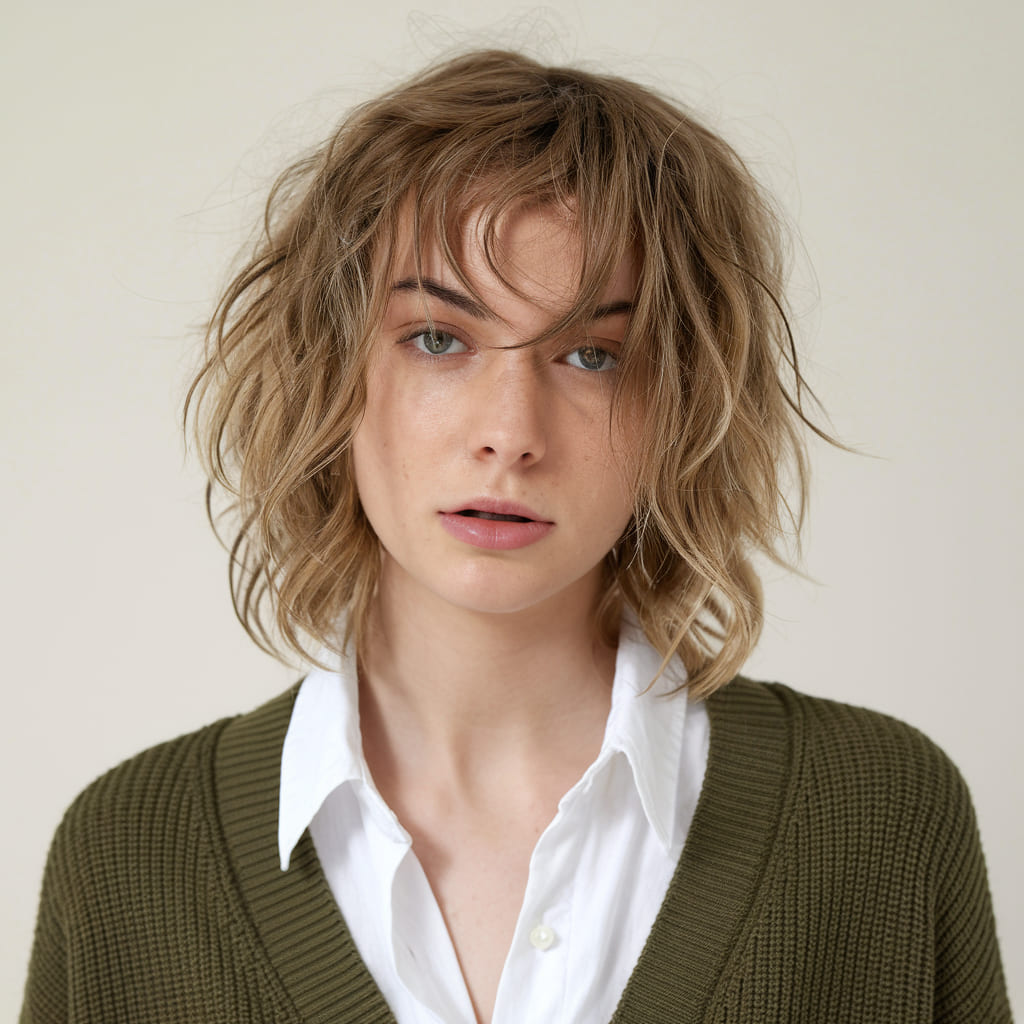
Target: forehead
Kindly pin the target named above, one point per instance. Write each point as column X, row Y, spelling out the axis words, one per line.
column 533, row 250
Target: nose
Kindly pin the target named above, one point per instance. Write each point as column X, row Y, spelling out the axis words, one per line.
column 508, row 417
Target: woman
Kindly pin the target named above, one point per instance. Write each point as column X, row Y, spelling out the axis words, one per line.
column 504, row 401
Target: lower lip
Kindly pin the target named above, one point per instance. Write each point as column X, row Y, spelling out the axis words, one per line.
column 494, row 534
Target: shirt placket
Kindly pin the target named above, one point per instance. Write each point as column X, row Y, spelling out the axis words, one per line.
column 533, row 983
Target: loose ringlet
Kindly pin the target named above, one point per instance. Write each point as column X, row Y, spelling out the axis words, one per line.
column 708, row 356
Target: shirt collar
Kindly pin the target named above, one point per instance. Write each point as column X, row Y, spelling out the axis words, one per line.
column 646, row 723
column 323, row 747
column 322, row 750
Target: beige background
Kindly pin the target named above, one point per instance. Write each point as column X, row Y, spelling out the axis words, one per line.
column 138, row 141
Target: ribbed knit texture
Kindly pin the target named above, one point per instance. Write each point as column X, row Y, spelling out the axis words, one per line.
column 832, row 873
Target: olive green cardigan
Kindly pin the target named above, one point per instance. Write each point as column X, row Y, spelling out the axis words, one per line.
column 832, row 873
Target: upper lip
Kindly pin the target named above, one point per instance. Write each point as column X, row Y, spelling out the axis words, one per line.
column 496, row 506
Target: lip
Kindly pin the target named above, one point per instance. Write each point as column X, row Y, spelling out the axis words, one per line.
column 492, row 534
column 498, row 507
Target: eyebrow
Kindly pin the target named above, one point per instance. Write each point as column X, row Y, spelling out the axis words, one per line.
column 460, row 300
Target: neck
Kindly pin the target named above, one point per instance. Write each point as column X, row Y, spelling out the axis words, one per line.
column 475, row 692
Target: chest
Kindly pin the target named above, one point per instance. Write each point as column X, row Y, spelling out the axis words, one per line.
column 479, row 882
column 507, row 926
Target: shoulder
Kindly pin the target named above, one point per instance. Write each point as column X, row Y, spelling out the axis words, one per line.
column 843, row 739
column 165, row 796
column 838, row 737
column 862, row 770
column 858, row 838
column 139, row 800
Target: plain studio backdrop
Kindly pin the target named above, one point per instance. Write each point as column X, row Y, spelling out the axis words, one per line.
column 139, row 141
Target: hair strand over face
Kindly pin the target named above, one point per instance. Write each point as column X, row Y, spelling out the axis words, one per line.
column 708, row 355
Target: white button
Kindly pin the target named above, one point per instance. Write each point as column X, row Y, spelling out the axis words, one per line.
column 542, row 937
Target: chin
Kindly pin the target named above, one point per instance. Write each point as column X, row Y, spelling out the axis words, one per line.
column 505, row 593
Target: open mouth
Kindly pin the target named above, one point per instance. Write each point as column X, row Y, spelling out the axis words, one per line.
column 498, row 516
column 498, row 525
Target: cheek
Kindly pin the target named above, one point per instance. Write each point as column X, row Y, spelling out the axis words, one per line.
column 376, row 466
column 399, row 433
column 606, row 490
column 624, row 447
column 372, row 442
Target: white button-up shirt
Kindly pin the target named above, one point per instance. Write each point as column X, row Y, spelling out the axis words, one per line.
column 597, row 876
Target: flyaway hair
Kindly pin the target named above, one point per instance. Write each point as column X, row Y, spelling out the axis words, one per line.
column 708, row 356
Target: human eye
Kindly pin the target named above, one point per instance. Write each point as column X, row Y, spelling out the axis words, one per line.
column 590, row 357
column 436, row 343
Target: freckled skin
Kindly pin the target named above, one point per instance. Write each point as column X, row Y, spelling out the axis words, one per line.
column 480, row 419
column 483, row 690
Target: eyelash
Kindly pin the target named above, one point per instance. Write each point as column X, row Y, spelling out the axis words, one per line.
column 595, row 349
column 424, row 332
column 414, row 337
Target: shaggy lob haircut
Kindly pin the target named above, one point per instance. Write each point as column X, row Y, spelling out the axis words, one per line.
column 708, row 354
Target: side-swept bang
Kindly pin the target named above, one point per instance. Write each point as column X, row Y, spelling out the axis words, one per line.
column 707, row 354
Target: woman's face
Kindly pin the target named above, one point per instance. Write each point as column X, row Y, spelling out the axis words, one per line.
column 495, row 477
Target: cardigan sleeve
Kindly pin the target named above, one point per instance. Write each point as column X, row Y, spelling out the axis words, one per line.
column 46, row 989
column 969, row 982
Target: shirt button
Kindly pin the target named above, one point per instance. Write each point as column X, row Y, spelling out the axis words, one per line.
column 542, row 937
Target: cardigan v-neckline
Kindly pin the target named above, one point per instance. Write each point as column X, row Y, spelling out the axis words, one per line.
column 701, row 921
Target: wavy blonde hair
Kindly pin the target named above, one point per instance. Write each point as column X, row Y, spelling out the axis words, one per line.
column 708, row 351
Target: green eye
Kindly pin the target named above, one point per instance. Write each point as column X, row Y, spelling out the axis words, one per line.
column 437, row 343
column 590, row 357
